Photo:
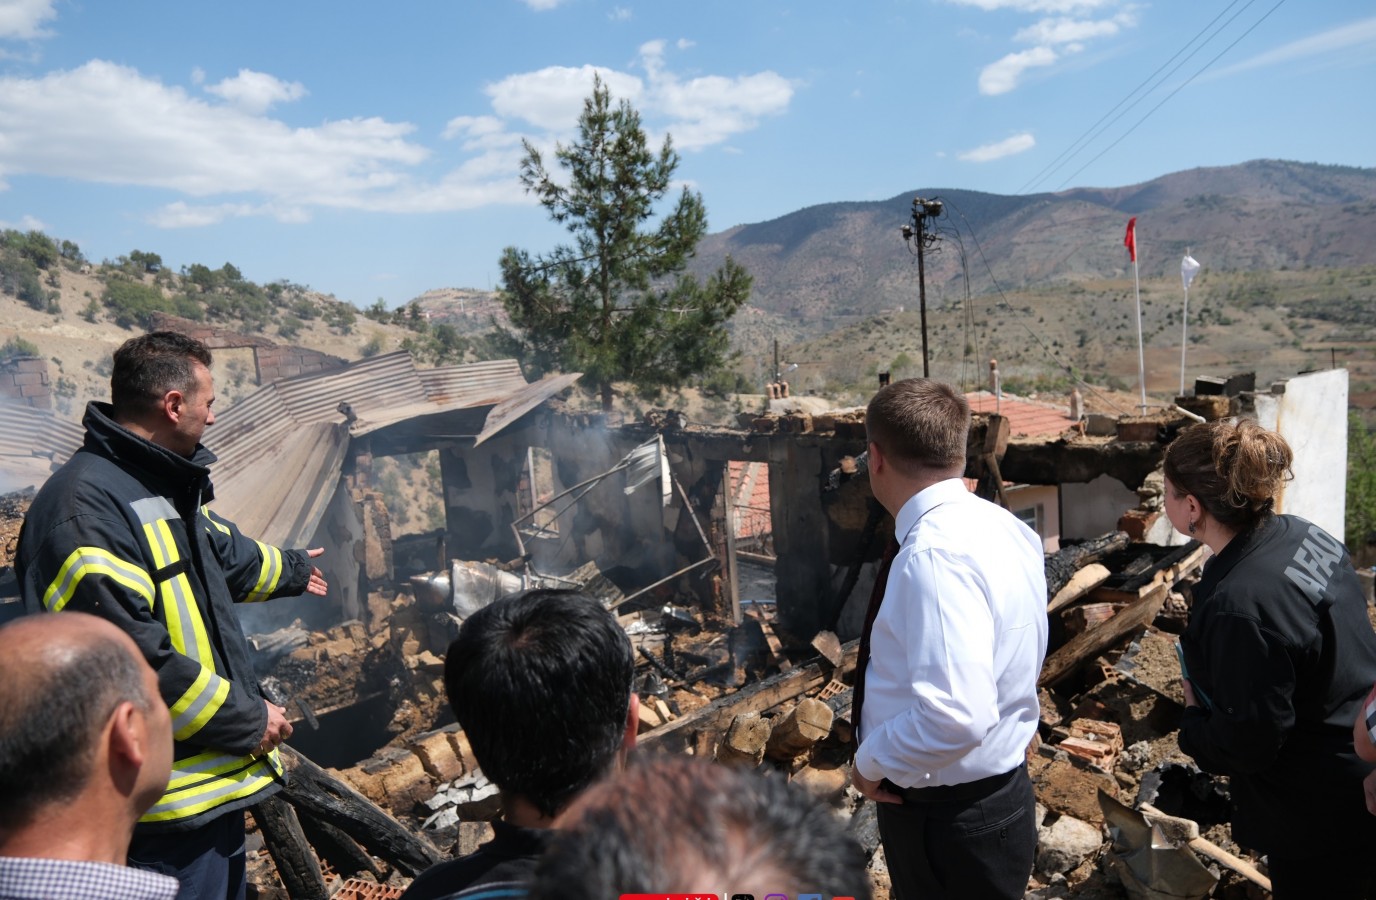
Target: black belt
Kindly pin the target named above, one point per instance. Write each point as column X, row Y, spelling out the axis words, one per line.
column 954, row 793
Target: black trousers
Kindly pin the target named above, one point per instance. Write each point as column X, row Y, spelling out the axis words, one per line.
column 972, row 841
column 1343, row 874
column 209, row 861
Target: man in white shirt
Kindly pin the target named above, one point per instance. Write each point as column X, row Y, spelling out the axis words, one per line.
column 85, row 749
column 948, row 697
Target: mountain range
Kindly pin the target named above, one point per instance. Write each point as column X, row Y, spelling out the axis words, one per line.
column 841, row 259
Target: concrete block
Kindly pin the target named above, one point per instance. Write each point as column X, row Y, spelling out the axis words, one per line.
column 1100, row 425
column 1134, row 430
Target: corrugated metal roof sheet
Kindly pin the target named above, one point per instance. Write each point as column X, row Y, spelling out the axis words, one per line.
column 281, row 496
column 522, row 402
column 30, row 440
column 281, row 448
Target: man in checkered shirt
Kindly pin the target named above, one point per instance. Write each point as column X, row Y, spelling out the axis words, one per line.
column 85, row 749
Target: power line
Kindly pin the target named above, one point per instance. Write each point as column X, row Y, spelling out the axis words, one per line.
column 1186, row 83
column 1048, row 169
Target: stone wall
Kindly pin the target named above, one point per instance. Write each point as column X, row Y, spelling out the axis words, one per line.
column 273, row 361
column 285, row 362
column 24, row 380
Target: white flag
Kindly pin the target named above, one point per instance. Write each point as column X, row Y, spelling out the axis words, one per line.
column 1188, row 269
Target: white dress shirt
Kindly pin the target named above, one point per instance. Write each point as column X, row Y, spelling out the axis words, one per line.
column 957, row 646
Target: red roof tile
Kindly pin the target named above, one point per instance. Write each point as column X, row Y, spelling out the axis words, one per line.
column 1026, row 418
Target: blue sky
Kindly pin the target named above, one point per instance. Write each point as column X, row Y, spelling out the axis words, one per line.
column 371, row 149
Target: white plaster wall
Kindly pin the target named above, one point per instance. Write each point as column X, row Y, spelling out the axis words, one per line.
column 1026, row 496
column 1311, row 415
column 1092, row 509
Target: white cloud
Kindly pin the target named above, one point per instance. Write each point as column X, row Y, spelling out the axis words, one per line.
column 552, row 98
column 620, row 14
column 1065, row 31
column 184, row 215
column 1361, row 33
column 218, row 147
column 1053, row 7
column 256, row 92
column 1018, row 143
column 1003, row 76
column 1066, row 27
column 22, row 20
column 542, row 5
column 107, row 123
column 25, row 223
column 685, row 44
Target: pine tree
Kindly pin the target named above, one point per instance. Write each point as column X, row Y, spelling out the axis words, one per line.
column 617, row 304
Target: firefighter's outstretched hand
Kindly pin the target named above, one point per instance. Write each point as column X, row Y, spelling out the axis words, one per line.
column 278, row 730
column 317, row 584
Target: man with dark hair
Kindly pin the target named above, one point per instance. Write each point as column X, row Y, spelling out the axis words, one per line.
column 672, row 824
column 542, row 684
column 123, row 530
column 946, row 698
column 85, row 749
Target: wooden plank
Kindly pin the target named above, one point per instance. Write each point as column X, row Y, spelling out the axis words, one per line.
column 760, row 696
column 1084, row 647
column 1081, row 583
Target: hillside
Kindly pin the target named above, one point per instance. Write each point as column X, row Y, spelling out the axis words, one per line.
column 1287, row 285
column 846, row 259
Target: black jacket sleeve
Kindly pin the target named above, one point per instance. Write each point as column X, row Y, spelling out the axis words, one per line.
column 1250, row 684
column 253, row 570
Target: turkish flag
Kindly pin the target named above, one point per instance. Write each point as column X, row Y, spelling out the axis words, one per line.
column 1130, row 239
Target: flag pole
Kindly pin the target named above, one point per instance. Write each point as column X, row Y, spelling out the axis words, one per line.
column 1141, row 358
column 1188, row 268
column 1184, row 325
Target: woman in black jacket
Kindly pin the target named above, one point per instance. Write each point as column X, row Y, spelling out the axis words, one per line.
column 1279, row 654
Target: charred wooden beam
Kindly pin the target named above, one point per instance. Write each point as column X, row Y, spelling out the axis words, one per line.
column 717, row 715
column 341, row 851
column 314, row 790
column 291, row 853
column 1062, row 565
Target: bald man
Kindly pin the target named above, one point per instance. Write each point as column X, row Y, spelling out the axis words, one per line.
column 85, row 749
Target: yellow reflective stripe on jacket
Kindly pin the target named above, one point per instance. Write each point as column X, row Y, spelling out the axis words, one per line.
column 95, row 561
column 269, row 575
column 221, row 526
column 181, row 612
column 198, row 704
column 211, row 780
column 195, row 769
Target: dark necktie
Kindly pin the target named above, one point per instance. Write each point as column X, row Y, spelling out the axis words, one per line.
column 862, row 662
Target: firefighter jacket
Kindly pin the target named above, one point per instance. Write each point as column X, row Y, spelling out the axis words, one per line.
column 123, row 530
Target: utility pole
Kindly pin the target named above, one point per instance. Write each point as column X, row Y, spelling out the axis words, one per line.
column 920, row 233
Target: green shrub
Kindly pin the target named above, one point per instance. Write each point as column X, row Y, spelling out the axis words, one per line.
column 188, row 307
column 17, row 346
column 289, row 327
column 131, row 303
column 19, row 277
